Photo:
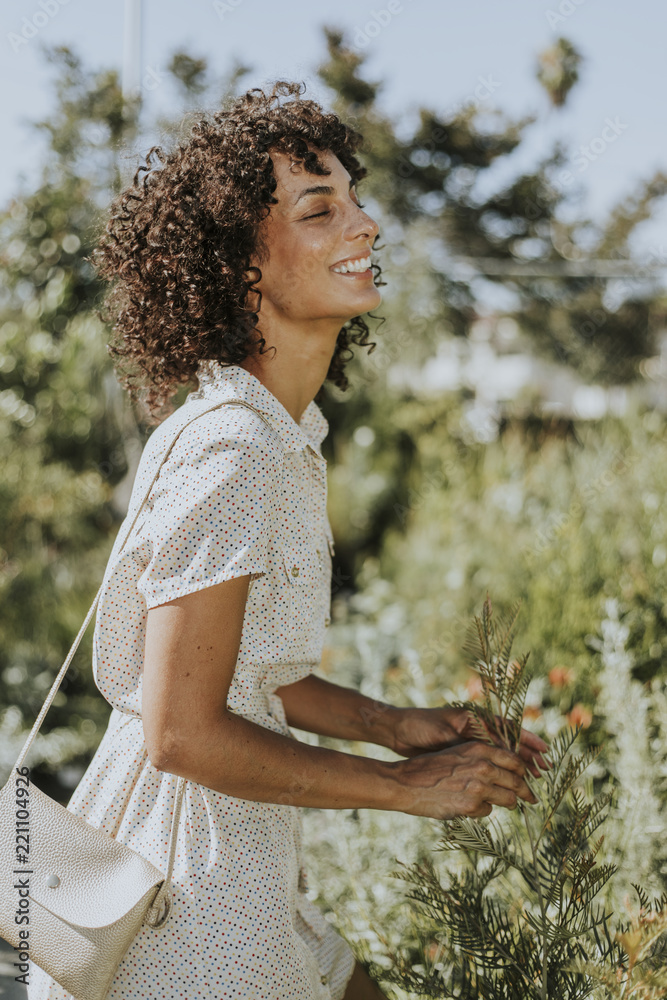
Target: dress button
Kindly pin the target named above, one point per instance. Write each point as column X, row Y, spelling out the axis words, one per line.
column 324, row 979
column 295, row 570
column 327, row 620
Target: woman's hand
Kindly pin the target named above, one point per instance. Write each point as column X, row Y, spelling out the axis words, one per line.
column 420, row 730
column 465, row 780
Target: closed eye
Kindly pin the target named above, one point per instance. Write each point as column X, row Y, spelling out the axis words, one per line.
column 317, row 216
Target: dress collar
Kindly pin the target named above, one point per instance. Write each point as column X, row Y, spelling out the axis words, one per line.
column 234, row 382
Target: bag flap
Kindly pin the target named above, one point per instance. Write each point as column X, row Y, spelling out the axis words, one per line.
column 100, row 878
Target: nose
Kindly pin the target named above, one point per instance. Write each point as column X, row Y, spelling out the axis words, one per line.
column 362, row 225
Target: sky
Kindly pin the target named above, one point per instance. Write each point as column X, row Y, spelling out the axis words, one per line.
column 432, row 53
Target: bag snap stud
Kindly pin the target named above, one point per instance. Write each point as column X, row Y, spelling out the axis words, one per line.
column 52, row 881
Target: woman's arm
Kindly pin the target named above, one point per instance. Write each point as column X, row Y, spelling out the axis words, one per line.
column 191, row 650
column 319, row 706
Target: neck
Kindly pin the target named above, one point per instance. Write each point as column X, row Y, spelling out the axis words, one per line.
column 295, row 371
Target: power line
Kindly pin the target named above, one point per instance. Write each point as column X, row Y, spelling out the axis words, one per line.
column 600, row 268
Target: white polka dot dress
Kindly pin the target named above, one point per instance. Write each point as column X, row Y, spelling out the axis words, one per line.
column 235, row 497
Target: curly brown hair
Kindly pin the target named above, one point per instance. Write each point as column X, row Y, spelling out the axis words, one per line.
column 180, row 238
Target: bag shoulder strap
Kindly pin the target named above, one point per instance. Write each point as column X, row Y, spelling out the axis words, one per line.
column 63, row 670
column 91, row 611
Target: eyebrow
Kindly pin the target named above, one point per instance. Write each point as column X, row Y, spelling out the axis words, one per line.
column 322, row 189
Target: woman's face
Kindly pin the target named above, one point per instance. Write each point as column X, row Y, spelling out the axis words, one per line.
column 316, row 225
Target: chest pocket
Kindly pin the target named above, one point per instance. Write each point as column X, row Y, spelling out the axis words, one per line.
column 303, row 571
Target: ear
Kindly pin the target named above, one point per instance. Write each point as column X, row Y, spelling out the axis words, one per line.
column 253, row 273
column 252, row 300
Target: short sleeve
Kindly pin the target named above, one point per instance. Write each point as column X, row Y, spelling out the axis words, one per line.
column 213, row 507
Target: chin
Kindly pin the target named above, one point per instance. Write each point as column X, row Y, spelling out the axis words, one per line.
column 364, row 303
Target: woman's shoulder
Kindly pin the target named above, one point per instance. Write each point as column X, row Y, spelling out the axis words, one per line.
column 200, row 443
column 199, row 424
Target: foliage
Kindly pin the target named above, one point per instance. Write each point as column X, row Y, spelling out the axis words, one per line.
column 634, row 762
column 63, row 430
column 430, row 188
column 559, row 522
column 504, row 682
column 516, row 940
column 372, row 646
column 559, row 70
column 644, row 940
column 517, row 914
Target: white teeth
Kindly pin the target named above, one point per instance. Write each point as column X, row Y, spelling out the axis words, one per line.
column 353, row 265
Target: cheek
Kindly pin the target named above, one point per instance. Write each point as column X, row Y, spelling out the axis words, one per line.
column 312, row 254
column 296, row 263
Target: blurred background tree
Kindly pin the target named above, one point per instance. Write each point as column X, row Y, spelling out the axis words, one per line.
column 68, row 434
column 62, row 427
column 434, row 462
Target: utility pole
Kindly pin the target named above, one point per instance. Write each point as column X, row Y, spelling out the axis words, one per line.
column 132, row 52
column 131, row 89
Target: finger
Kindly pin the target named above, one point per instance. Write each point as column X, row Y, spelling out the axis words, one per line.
column 536, row 757
column 490, row 774
column 531, row 758
column 526, row 794
column 483, row 809
column 533, row 741
column 512, row 781
column 506, row 759
column 534, row 762
column 498, row 795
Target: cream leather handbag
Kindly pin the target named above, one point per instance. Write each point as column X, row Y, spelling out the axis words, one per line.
column 72, row 898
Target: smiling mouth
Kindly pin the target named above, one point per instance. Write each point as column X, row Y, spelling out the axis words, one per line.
column 355, row 274
column 357, row 267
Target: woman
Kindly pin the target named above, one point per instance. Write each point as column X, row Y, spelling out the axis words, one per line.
column 245, row 262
